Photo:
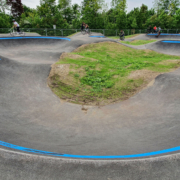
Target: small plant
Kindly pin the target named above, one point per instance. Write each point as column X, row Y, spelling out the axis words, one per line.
column 76, row 75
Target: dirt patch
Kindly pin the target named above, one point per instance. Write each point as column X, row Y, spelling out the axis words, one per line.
column 60, row 69
column 148, row 77
column 169, row 62
column 71, row 56
column 145, row 74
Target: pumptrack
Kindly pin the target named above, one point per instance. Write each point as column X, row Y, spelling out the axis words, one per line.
column 42, row 137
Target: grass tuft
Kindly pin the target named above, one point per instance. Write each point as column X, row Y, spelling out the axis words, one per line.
column 138, row 42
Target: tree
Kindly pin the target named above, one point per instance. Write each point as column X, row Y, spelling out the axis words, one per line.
column 5, row 21
column 48, row 2
column 27, row 10
column 173, row 6
column 121, row 14
column 90, row 12
column 3, row 6
column 134, row 24
column 168, row 6
column 16, row 7
column 64, row 3
column 143, row 15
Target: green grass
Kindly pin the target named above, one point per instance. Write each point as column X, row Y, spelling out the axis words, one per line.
column 138, row 42
column 128, row 36
column 99, row 72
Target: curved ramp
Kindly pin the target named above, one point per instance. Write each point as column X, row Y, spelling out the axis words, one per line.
column 32, row 117
column 171, row 47
column 164, row 36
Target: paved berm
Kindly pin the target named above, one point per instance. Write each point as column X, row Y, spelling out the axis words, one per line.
column 32, row 116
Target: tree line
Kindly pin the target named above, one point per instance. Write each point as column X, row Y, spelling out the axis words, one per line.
column 95, row 13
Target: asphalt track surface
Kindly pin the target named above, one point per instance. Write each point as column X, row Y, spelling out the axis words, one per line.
column 42, row 137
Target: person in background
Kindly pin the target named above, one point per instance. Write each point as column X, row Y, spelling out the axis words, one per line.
column 159, row 32
column 155, row 29
column 82, row 26
column 150, row 29
column 122, row 34
column 16, row 26
column 87, row 28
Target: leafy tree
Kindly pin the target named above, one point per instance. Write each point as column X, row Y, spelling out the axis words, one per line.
column 121, row 14
column 134, row 24
column 3, row 6
column 76, row 16
column 27, row 10
column 16, row 7
column 64, row 3
column 143, row 14
column 5, row 21
column 168, row 6
column 173, row 6
column 90, row 12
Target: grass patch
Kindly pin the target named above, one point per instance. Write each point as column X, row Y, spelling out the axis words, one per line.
column 138, row 42
column 100, row 73
column 126, row 36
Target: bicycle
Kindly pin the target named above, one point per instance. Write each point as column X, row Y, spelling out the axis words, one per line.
column 122, row 38
column 14, row 32
column 86, row 31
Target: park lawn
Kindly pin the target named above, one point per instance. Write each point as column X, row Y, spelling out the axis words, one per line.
column 138, row 42
column 107, row 72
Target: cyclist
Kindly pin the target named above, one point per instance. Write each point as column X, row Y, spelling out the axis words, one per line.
column 159, row 32
column 155, row 29
column 82, row 26
column 16, row 26
column 122, row 34
column 87, row 28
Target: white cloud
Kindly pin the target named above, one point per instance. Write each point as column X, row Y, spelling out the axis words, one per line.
column 131, row 3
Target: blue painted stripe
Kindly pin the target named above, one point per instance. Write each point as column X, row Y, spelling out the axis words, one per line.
column 177, row 42
column 98, row 36
column 164, row 34
column 36, row 37
column 8, row 145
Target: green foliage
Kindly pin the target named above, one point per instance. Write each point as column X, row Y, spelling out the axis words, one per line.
column 5, row 21
column 3, row 6
column 134, row 24
column 96, row 14
column 138, row 42
column 98, row 81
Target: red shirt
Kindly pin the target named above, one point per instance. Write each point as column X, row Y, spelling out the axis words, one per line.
column 155, row 28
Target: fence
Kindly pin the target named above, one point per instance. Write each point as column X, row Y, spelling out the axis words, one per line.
column 68, row 32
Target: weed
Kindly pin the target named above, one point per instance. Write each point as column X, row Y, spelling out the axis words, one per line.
column 76, row 75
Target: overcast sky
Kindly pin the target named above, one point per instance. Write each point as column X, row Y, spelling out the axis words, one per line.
column 131, row 3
